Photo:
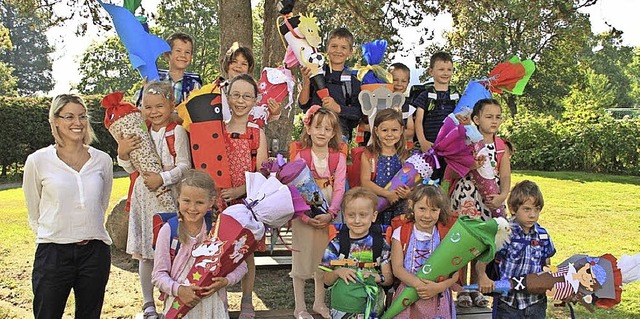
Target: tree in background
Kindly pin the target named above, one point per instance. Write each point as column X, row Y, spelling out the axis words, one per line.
column 236, row 17
column 201, row 20
column 8, row 82
column 551, row 32
column 105, row 68
column 29, row 56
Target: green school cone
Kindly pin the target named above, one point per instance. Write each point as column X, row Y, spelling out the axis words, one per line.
column 467, row 240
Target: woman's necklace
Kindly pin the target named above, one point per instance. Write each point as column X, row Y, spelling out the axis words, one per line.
column 75, row 161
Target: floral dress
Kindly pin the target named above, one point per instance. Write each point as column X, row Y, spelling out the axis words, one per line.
column 386, row 169
column 466, row 198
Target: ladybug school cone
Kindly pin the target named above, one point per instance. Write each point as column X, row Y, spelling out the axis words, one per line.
column 468, row 239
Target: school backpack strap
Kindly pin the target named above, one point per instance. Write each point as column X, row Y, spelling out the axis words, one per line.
column 347, row 90
column 500, row 149
column 405, row 235
column 173, row 222
column 170, row 137
column 377, row 234
column 253, row 135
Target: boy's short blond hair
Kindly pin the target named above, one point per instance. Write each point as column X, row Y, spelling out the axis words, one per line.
column 359, row 192
column 341, row 33
column 523, row 191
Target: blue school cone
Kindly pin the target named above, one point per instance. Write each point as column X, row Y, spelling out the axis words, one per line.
column 474, row 92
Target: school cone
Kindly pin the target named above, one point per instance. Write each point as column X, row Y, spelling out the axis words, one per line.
column 468, row 239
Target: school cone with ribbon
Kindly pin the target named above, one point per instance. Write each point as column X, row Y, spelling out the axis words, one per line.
column 468, row 239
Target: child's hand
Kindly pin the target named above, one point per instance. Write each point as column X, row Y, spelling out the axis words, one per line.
column 153, row 181
column 403, row 192
column 306, row 73
column 216, row 284
column 464, row 120
column 229, row 194
column 331, row 104
column 126, row 144
column 428, row 289
column 274, row 107
column 426, row 146
column 485, row 285
column 347, row 274
column 495, row 201
column 479, row 161
column 391, row 196
column 188, row 295
column 321, row 221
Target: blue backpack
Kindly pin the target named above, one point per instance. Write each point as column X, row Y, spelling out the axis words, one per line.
column 171, row 218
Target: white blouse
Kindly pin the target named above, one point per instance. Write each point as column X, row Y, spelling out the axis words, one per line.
column 66, row 206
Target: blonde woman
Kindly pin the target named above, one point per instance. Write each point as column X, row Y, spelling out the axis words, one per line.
column 67, row 188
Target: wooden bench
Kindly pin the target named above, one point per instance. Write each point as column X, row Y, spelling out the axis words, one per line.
column 464, row 313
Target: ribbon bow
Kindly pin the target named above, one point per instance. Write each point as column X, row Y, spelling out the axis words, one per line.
column 250, row 204
column 432, row 182
column 378, row 71
column 371, row 290
column 309, row 115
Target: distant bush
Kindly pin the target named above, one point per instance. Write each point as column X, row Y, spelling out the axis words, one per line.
column 25, row 129
column 588, row 142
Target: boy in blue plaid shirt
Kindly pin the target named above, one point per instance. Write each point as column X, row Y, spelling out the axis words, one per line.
column 530, row 249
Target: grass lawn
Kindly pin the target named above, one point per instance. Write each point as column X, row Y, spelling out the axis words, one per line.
column 584, row 213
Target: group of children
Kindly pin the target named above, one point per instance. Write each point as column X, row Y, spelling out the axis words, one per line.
column 357, row 253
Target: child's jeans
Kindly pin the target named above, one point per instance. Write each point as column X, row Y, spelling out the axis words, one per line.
column 535, row 311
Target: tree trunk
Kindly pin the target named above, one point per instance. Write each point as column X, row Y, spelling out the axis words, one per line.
column 272, row 54
column 235, row 19
column 511, row 102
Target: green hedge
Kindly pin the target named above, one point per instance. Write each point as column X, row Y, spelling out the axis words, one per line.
column 592, row 143
column 25, row 129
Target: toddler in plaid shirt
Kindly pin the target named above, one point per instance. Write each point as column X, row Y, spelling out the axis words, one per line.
column 530, row 249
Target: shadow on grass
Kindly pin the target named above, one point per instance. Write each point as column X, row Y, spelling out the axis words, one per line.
column 275, row 288
column 583, row 177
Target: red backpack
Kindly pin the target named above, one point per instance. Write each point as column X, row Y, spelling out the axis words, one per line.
column 353, row 170
column 170, row 137
column 296, row 148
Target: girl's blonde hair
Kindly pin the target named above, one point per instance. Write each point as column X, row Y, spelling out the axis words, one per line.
column 376, row 147
column 320, row 114
column 162, row 88
column 435, row 197
column 57, row 104
column 197, row 179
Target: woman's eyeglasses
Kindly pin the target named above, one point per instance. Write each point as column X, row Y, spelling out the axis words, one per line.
column 71, row 118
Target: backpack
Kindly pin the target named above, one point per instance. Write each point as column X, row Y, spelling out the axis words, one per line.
column 407, row 228
column 353, row 170
column 376, row 231
column 159, row 219
column 417, row 89
column 296, row 148
column 170, row 137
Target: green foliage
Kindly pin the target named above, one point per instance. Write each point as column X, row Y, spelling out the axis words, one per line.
column 200, row 20
column 26, row 129
column 29, row 56
column 595, row 93
column 587, row 141
column 105, row 68
column 550, row 32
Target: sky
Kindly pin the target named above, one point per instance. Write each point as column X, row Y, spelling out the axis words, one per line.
column 621, row 14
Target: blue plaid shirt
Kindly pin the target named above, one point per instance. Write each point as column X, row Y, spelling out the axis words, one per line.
column 525, row 254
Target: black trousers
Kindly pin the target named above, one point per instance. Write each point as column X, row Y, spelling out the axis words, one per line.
column 58, row 268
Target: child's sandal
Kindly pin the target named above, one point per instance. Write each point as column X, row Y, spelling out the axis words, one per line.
column 323, row 311
column 302, row 314
column 150, row 314
column 464, row 299
column 479, row 300
column 246, row 311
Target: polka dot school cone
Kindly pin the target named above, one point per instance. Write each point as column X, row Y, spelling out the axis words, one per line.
column 468, row 239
